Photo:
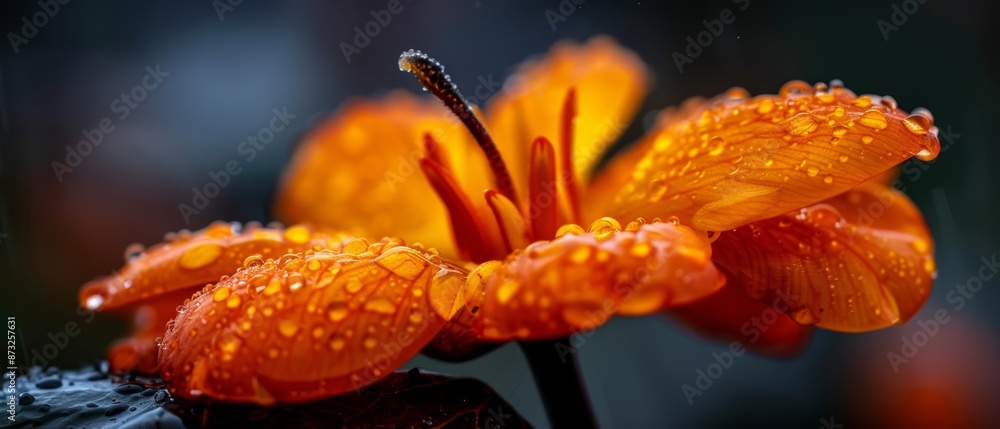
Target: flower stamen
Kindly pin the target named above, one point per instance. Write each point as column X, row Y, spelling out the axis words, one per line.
column 543, row 198
column 431, row 75
column 568, row 175
column 469, row 231
column 513, row 229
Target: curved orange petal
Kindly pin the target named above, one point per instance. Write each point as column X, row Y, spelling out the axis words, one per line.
column 859, row 262
column 309, row 325
column 188, row 261
column 577, row 281
column 745, row 159
column 610, row 83
column 360, row 171
column 731, row 315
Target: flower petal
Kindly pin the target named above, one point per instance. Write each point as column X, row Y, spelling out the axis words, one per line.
column 360, row 171
column 731, row 315
column 610, row 83
column 740, row 160
column 869, row 271
column 309, row 325
column 576, row 282
column 188, row 261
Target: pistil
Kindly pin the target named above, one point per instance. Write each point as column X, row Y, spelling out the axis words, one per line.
column 431, row 75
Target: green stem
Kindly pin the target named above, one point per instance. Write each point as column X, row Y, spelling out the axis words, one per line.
column 553, row 364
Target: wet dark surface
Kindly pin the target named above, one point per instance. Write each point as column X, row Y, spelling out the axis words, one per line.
column 91, row 398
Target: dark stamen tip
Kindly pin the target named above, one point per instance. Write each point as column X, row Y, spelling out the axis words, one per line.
column 431, row 75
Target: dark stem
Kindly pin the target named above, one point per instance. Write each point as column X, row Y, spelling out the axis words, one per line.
column 553, row 363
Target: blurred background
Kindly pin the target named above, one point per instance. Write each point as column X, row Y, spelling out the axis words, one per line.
column 223, row 69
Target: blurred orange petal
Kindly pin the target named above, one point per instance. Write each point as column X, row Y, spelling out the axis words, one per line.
column 861, row 261
column 190, row 260
column 360, row 171
column 731, row 315
column 310, row 325
column 742, row 159
column 610, row 83
column 579, row 280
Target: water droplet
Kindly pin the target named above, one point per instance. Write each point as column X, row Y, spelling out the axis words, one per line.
column 812, row 171
column 863, row 102
column 828, row 180
column 233, row 301
column 220, row 294
column 356, row 246
column 804, row 316
column 336, row 343
column 353, row 285
column 579, row 255
column 273, row 287
column 929, row 265
column 917, row 124
column 873, row 118
column 570, row 228
column 801, row 124
column 766, row 105
column 337, row 311
column 370, row 342
column 641, row 250
column 507, row 290
column 297, row 234
column 253, row 261
column 416, row 317
column 737, row 93
column 718, row 145
column 843, row 158
column 839, row 131
column 288, row 328
column 200, row 256
column 889, row 102
column 839, row 111
column 866, row 139
column 605, row 227
column 795, row 87
column 380, row 305
column 657, row 188
column 95, row 301
column 134, row 251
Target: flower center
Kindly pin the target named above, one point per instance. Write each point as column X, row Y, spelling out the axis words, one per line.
column 552, row 200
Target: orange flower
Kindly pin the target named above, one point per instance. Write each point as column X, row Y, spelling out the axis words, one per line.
column 760, row 187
